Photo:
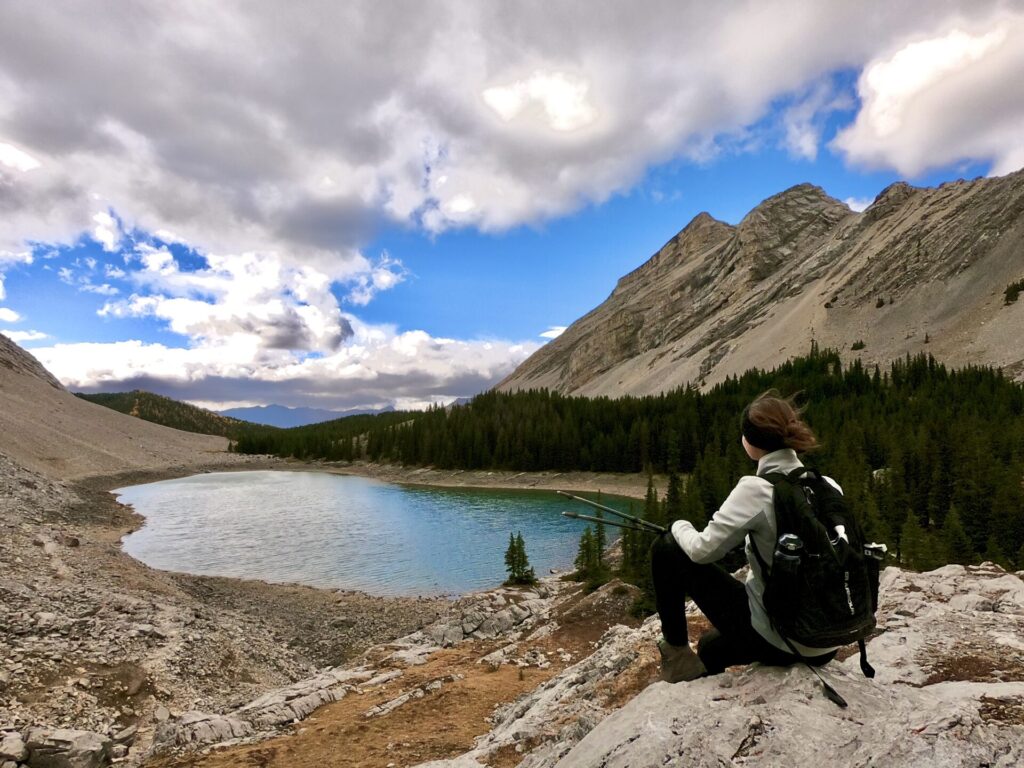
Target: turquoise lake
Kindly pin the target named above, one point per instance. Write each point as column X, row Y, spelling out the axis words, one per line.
column 346, row 532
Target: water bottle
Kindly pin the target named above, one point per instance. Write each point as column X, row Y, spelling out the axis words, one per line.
column 875, row 551
column 788, row 551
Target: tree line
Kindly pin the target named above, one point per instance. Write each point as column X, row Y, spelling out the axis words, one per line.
column 173, row 413
column 931, row 458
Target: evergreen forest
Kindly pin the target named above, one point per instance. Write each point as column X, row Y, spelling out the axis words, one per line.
column 931, row 458
column 172, row 413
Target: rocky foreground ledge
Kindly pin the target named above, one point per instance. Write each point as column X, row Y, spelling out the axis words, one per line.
column 949, row 689
column 949, row 692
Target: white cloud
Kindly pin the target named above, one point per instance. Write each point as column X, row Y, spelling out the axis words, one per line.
column 19, row 337
column 377, row 366
column 382, row 276
column 804, row 121
column 942, row 98
column 278, row 139
column 9, row 315
column 254, row 300
column 556, row 100
column 553, row 332
column 15, row 158
column 858, row 204
column 105, row 289
column 107, row 231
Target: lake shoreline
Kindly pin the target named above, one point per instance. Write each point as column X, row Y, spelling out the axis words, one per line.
column 629, row 485
column 168, row 514
column 157, row 640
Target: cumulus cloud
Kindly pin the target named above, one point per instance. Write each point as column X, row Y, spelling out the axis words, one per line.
column 248, row 129
column 953, row 94
column 252, row 300
column 9, row 315
column 553, row 332
column 253, row 137
column 20, row 337
column 858, row 204
column 378, row 367
column 106, row 232
column 385, row 274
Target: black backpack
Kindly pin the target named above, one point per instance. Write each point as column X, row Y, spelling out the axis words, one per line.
column 825, row 592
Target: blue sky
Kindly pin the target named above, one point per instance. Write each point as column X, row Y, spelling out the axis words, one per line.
column 234, row 215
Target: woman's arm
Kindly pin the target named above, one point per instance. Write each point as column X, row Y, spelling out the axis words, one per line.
column 733, row 520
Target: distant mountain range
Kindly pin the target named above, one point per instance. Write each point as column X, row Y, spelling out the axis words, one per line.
column 920, row 270
column 283, row 416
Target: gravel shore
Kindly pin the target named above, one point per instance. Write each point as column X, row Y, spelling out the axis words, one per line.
column 92, row 639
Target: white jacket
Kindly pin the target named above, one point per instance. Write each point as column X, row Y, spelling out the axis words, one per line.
column 747, row 510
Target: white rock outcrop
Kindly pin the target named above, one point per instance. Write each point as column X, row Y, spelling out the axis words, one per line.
column 949, row 692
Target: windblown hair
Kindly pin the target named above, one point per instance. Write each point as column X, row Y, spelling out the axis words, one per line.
column 779, row 416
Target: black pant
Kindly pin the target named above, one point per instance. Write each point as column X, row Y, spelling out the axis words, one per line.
column 723, row 600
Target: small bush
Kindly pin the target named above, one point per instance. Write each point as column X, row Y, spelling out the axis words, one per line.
column 1013, row 291
column 859, row 344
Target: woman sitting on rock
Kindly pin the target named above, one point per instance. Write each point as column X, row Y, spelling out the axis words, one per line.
column 683, row 560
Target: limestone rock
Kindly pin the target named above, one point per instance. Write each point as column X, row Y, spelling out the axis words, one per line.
column 12, row 747
column 775, row 716
column 949, row 692
column 67, row 748
column 201, row 728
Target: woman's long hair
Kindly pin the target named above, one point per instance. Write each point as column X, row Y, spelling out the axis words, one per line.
column 780, row 416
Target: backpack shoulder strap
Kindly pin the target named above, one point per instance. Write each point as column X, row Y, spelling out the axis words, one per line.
column 792, row 476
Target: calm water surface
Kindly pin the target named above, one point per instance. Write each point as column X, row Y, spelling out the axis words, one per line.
column 347, row 532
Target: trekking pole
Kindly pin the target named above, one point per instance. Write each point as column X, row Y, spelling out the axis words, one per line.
column 589, row 519
column 647, row 524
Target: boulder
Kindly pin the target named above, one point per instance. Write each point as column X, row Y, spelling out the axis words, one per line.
column 194, row 728
column 12, row 747
column 776, row 716
column 67, row 748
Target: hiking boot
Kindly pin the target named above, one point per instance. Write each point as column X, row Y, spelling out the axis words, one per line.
column 679, row 662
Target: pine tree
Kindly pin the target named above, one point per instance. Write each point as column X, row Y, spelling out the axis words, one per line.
column 917, row 546
column 585, row 557
column 674, row 499
column 994, row 554
column 600, row 539
column 516, row 562
column 589, row 567
column 958, row 545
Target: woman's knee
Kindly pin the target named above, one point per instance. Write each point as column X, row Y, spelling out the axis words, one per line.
column 665, row 548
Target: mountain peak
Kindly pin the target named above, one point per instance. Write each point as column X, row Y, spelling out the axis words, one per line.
column 787, row 223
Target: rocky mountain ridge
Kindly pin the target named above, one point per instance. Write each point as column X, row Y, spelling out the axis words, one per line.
column 919, row 266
